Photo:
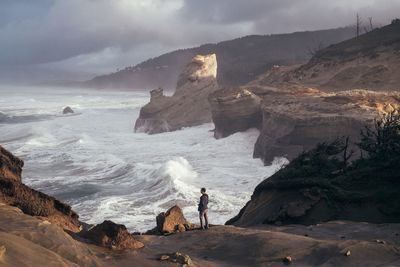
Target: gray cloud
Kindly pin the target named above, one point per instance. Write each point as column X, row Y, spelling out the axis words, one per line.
column 100, row 35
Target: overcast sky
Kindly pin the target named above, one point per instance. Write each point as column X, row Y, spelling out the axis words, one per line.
column 97, row 36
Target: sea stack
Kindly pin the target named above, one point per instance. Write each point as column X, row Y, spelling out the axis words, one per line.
column 188, row 106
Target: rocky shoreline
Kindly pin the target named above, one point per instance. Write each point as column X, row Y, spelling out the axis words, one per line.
column 32, row 237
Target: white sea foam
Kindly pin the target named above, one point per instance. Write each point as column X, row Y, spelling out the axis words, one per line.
column 94, row 161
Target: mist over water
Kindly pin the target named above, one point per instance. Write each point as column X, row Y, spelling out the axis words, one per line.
column 94, row 161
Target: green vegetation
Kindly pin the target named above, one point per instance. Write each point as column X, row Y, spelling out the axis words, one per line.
column 367, row 172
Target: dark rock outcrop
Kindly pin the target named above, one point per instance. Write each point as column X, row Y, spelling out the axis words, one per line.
column 234, row 110
column 13, row 192
column 171, row 221
column 188, row 106
column 111, row 235
column 68, row 110
column 320, row 185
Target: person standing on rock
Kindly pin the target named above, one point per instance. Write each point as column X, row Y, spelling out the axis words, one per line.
column 203, row 209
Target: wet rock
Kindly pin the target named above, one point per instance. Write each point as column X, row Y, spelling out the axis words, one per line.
column 287, row 260
column 111, row 235
column 168, row 222
column 68, row 110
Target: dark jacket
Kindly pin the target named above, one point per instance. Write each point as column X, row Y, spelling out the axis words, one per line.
column 203, row 202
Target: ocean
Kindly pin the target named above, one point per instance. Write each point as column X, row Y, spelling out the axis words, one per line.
column 94, row 161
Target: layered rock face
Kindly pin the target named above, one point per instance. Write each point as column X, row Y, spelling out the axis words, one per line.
column 14, row 192
column 295, row 119
column 234, row 110
column 188, row 106
column 292, row 124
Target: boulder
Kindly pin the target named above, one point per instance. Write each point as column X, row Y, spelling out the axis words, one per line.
column 171, row 221
column 188, row 106
column 10, row 165
column 68, row 110
column 111, row 235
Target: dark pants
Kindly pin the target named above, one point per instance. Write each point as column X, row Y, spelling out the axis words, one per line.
column 203, row 213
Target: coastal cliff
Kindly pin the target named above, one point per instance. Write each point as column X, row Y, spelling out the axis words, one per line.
column 188, row 106
column 296, row 107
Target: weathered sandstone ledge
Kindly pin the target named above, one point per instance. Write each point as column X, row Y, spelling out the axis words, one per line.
column 296, row 119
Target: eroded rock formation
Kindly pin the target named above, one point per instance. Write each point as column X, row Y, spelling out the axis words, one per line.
column 234, row 110
column 188, row 106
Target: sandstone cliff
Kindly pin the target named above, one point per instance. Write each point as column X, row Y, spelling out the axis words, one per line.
column 300, row 106
column 188, row 106
column 234, row 110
